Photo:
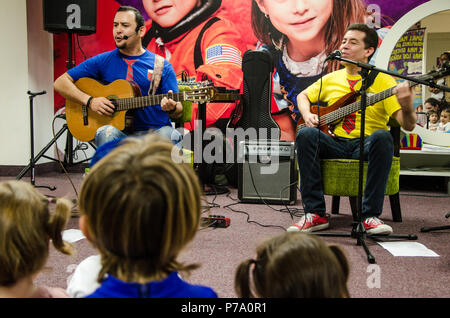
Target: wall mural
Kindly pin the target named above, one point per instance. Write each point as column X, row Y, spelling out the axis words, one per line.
column 235, row 33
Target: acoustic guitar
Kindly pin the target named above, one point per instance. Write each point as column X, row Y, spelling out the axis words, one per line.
column 83, row 122
column 346, row 105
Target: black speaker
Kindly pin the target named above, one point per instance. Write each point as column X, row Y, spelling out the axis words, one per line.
column 257, row 69
column 267, row 172
column 74, row 16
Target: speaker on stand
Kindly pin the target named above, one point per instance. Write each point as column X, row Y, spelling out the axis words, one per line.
column 71, row 17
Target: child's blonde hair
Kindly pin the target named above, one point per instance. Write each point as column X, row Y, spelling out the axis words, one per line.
column 26, row 226
column 141, row 208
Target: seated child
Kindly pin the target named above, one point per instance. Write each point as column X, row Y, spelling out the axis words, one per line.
column 444, row 124
column 294, row 265
column 140, row 206
column 26, row 228
column 433, row 118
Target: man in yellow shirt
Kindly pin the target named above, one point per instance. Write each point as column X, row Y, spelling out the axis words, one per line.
column 312, row 145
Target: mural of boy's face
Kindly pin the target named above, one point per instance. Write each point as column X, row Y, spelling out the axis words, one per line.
column 167, row 13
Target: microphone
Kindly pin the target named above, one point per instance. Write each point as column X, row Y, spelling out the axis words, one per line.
column 126, row 37
column 333, row 55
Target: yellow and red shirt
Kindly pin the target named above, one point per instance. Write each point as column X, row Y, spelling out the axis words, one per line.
column 337, row 84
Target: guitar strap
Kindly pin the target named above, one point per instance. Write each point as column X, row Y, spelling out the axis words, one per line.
column 157, row 72
column 349, row 122
column 370, row 78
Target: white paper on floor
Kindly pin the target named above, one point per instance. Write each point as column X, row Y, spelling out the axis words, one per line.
column 408, row 249
column 72, row 235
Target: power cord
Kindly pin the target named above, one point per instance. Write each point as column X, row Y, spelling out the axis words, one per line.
column 248, row 216
column 281, row 194
column 425, row 195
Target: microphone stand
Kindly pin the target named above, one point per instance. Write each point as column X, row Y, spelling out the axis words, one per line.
column 358, row 229
column 369, row 67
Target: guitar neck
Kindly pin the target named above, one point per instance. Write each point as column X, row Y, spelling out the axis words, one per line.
column 143, row 101
column 354, row 107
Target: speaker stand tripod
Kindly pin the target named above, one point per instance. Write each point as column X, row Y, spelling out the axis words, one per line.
column 68, row 157
column 437, row 228
column 358, row 230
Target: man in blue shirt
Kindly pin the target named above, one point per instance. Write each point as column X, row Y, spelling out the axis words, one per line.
column 132, row 62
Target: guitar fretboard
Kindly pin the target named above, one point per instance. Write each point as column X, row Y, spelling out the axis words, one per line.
column 139, row 102
column 355, row 106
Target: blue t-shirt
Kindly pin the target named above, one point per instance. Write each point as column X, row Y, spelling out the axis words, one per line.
column 110, row 66
column 171, row 287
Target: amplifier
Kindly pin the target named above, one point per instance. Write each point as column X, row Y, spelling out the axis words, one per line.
column 267, row 172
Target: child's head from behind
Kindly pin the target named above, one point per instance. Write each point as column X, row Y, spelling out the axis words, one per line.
column 294, row 265
column 169, row 13
column 26, row 228
column 140, row 208
column 445, row 116
column 433, row 116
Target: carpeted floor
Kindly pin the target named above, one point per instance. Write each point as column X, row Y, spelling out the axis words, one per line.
column 423, row 202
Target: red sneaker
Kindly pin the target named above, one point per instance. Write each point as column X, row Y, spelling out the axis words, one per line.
column 310, row 222
column 374, row 225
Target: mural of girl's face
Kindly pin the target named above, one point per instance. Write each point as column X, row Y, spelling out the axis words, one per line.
column 167, row 13
column 299, row 20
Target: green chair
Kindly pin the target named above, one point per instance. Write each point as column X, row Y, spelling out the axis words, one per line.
column 341, row 176
column 187, row 109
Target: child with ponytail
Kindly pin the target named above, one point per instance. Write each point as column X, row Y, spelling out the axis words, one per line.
column 294, row 265
column 26, row 227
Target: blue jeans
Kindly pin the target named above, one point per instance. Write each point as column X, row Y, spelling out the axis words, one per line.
column 108, row 133
column 313, row 145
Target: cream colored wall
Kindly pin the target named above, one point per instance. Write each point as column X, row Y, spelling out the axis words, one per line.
column 14, row 127
column 40, row 71
column 26, row 61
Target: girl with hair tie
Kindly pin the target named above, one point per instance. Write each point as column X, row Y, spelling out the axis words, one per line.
column 294, row 265
column 26, row 228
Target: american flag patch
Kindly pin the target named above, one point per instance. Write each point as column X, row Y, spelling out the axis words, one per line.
column 223, row 54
